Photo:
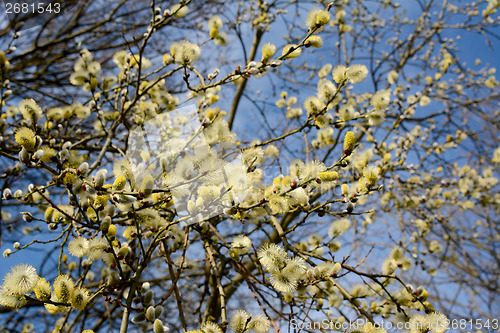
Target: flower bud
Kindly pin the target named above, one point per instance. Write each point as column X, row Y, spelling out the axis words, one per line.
column 314, row 41
column 7, row 194
column 336, row 268
column 234, row 254
column 83, row 169
column 66, row 145
column 111, row 230
column 147, row 185
column 317, row 272
column 123, row 252
column 314, row 105
column 422, row 293
column 3, row 60
column 178, row 10
column 167, row 59
column 63, row 288
column 27, row 216
column 322, row 18
column 329, row 175
column 158, row 326
column 64, row 154
column 345, row 190
column 105, row 223
column 26, row 138
column 110, row 210
column 119, row 183
column 291, row 51
column 24, row 156
column 150, row 313
column 140, row 318
column 113, row 278
column 148, row 298
column 158, row 311
column 334, row 246
column 30, row 110
column 100, row 178
column 350, row 207
column 310, row 273
column 77, row 186
column 38, row 155
column 268, row 50
column 349, row 143
column 49, row 212
column 93, row 84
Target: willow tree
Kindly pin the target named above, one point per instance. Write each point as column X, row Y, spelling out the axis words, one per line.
column 279, row 165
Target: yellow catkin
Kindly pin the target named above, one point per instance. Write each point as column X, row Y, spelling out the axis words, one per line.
column 101, row 200
column 63, row 287
column 111, row 231
column 323, row 17
column 69, row 178
column 329, row 175
column 42, row 289
column 26, row 138
column 349, row 142
column 268, row 50
column 48, row 154
column 119, row 183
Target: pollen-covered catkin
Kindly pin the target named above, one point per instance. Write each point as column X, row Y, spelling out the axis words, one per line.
column 26, row 138
column 268, row 50
column 349, row 142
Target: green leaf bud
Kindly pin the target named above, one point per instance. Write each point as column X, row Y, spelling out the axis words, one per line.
column 150, row 314
column 140, row 318
column 105, row 223
column 100, row 178
column 158, row 311
column 148, row 298
column 158, row 326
